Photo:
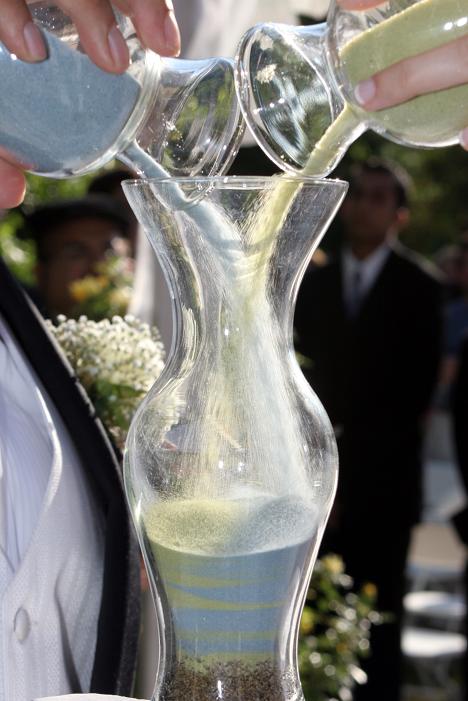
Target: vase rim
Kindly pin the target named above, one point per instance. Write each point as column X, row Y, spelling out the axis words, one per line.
column 227, row 182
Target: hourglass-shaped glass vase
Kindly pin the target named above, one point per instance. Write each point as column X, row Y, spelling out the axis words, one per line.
column 231, row 462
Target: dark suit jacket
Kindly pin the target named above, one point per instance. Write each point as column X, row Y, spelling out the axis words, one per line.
column 118, row 619
column 460, row 415
column 375, row 376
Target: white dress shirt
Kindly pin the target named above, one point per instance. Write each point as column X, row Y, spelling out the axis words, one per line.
column 51, row 544
column 26, row 452
column 363, row 273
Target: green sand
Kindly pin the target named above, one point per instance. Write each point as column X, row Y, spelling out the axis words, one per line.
column 219, row 527
column 203, row 526
column 436, row 118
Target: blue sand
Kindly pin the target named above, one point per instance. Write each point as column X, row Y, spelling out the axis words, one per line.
column 63, row 113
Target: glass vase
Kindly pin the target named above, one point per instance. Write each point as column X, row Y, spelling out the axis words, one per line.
column 231, row 462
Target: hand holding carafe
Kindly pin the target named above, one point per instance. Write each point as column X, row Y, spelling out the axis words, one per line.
column 156, row 26
column 396, row 67
column 66, row 115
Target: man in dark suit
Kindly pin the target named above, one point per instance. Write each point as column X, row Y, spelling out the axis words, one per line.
column 460, row 416
column 370, row 323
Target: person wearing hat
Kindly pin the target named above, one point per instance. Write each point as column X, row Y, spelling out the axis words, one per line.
column 72, row 238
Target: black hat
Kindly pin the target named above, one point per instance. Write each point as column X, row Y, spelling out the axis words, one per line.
column 47, row 217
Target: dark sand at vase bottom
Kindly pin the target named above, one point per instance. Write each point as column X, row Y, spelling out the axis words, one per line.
column 231, row 681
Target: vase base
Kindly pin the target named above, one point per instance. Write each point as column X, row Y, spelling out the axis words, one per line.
column 233, row 680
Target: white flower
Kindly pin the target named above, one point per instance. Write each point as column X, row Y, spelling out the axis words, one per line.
column 122, row 357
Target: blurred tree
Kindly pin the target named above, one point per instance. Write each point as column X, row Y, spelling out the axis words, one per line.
column 42, row 190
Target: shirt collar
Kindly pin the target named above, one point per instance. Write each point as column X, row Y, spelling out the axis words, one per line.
column 369, row 268
column 375, row 260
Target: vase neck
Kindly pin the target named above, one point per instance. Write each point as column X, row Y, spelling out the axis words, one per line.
column 233, row 258
column 233, row 254
column 229, row 266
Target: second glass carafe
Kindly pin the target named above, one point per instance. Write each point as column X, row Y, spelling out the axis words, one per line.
column 297, row 84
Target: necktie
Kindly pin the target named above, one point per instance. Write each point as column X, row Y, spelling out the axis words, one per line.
column 355, row 294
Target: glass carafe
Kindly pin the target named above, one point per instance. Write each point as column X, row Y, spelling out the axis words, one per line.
column 297, row 84
column 65, row 116
column 231, row 463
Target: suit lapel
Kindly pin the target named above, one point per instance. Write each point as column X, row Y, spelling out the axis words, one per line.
column 47, row 360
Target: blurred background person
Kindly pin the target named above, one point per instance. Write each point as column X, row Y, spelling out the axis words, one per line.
column 460, row 416
column 455, row 330
column 370, row 324
column 456, row 313
column 446, row 259
column 72, row 239
column 439, row 448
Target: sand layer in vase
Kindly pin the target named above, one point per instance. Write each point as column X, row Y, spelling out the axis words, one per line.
column 230, row 573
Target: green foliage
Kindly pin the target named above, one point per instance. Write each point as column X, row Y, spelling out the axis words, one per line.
column 114, row 403
column 19, row 255
column 41, row 190
column 334, row 633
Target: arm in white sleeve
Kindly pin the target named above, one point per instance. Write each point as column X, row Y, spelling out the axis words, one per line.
column 214, row 27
